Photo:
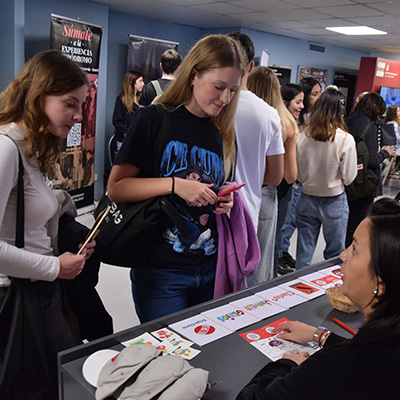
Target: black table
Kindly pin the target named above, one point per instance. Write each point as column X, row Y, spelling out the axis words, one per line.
column 231, row 361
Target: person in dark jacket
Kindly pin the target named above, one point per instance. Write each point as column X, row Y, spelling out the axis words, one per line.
column 126, row 103
column 368, row 109
column 368, row 365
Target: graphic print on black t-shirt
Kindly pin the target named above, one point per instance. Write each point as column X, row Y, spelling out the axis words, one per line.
column 203, row 166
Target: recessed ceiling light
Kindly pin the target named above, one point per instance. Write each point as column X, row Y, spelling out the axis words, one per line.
column 356, row 30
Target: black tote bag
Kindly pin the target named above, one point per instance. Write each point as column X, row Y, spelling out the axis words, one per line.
column 24, row 370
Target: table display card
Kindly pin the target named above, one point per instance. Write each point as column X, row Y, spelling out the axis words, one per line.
column 200, row 329
column 231, row 316
column 258, row 307
column 305, row 290
column 284, row 298
column 321, row 280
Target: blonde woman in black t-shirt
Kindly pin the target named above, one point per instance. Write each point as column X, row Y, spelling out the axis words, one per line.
column 202, row 102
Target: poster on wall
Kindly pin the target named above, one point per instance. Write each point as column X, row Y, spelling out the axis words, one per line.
column 144, row 55
column 283, row 73
column 74, row 171
column 318, row 74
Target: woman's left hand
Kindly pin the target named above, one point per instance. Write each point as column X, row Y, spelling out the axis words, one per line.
column 89, row 249
column 296, row 356
column 224, row 204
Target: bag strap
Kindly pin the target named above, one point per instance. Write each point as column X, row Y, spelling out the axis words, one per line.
column 157, row 87
column 365, row 131
column 161, row 137
column 19, row 230
column 174, row 216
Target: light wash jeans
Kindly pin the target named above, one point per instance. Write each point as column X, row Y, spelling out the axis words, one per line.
column 312, row 212
column 290, row 223
column 266, row 233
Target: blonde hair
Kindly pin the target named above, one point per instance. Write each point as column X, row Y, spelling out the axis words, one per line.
column 129, row 95
column 47, row 73
column 214, row 51
column 263, row 82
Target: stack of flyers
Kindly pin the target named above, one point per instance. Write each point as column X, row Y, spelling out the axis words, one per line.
column 167, row 341
column 284, row 298
column 200, row 329
column 322, row 281
column 258, row 307
column 303, row 289
column 231, row 317
column 268, row 342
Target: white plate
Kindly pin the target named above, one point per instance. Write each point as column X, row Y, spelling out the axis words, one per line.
column 94, row 364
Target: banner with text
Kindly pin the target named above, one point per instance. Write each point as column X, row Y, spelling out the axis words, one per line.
column 74, row 171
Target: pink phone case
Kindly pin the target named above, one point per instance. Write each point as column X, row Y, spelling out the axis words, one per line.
column 231, row 189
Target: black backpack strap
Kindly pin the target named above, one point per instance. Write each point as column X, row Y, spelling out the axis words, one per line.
column 161, row 137
column 19, row 230
column 365, row 131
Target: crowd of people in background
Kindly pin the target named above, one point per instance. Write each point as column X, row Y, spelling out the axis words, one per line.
column 228, row 121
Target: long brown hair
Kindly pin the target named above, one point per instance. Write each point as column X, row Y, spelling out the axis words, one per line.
column 326, row 116
column 263, row 82
column 391, row 114
column 214, row 51
column 129, row 95
column 47, row 73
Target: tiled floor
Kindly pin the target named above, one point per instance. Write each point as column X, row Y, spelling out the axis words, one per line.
column 114, row 283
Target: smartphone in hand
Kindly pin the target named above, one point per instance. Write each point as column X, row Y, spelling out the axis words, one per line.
column 230, row 189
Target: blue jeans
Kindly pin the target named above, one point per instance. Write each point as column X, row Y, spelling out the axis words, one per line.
column 283, row 208
column 312, row 212
column 290, row 223
column 266, row 233
column 160, row 291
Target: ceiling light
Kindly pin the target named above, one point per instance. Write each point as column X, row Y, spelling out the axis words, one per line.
column 356, row 30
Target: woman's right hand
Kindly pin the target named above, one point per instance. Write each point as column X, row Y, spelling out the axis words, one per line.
column 390, row 149
column 296, row 331
column 71, row 265
column 196, row 193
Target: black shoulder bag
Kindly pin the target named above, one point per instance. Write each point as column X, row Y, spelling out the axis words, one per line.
column 128, row 227
column 366, row 182
column 23, row 359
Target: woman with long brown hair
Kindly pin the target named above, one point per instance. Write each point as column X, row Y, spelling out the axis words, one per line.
column 126, row 104
column 37, row 110
column 326, row 161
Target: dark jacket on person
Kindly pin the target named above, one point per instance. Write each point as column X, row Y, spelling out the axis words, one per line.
column 341, row 370
column 122, row 118
column 356, row 124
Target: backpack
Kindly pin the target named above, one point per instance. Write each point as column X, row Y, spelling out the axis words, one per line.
column 366, row 182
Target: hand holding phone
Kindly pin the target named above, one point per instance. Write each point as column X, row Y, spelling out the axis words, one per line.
column 230, row 189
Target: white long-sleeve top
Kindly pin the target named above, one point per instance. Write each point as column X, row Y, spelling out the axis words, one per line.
column 36, row 260
column 325, row 167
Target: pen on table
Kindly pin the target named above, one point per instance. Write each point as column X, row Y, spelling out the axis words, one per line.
column 344, row 326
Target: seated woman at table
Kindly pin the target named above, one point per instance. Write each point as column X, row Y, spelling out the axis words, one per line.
column 368, row 365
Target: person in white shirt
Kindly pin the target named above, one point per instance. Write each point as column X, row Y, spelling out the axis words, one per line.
column 326, row 161
column 260, row 150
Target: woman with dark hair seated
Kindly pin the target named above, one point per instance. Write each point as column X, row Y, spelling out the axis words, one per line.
column 368, row 365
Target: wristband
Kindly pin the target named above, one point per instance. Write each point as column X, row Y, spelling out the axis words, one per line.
column 324, row 335
column 173, row 185
column 317, row 334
